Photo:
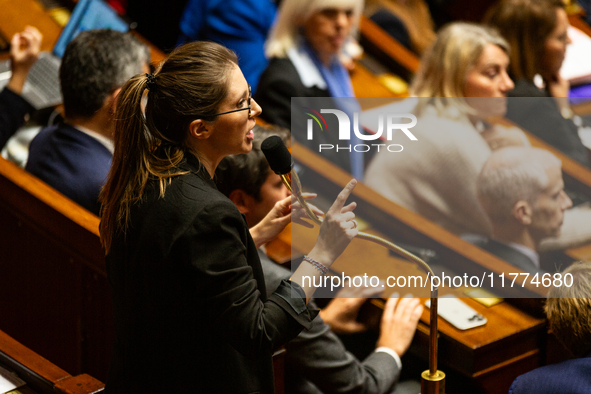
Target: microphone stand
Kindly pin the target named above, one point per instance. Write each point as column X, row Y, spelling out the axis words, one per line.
column 432, row 380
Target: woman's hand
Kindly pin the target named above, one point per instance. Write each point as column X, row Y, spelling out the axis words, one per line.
column 338, row 228
column 24, row 51
column 283, row 213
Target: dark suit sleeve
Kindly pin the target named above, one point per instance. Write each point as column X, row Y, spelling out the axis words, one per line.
column 13, row 109
column 219, row 244
column 318, row 355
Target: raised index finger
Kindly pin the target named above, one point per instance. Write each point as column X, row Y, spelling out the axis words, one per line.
column 338, row 204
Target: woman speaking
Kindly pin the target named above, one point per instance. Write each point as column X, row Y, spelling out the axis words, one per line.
column 191, row 315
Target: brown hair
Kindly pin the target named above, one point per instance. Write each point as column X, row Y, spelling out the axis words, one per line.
column 190, row 84
column 569, row 309
column 525, row 24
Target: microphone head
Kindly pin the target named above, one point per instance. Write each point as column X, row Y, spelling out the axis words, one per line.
column 277, row 155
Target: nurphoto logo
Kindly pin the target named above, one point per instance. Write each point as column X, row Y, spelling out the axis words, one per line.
column 387, row 125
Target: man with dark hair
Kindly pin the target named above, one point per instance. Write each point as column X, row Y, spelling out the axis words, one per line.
column 74, row 156
column 568, row 309
column 317, row 361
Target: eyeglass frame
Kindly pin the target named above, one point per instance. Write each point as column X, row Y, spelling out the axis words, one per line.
column 238, row 110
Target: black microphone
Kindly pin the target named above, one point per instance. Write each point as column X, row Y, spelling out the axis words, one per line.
column 277, row 155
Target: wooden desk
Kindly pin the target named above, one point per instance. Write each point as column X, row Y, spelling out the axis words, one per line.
column 42, row 376
column 510, row 344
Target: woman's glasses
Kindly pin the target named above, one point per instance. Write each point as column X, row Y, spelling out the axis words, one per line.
column 241, row 109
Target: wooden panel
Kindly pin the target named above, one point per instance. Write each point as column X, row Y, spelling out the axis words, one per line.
column 54, row 294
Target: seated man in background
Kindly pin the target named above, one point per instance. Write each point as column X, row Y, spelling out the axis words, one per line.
column 74, row 157
column 317, row 361
column 24, row 50
column 568, row 309
column 522, row 191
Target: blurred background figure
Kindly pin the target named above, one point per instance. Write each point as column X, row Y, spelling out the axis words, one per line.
column 465, row 75
column 24, row 51
column 240, row 25
column 304, row 47
column 75, row 155
column 537, row 33
column 522, row 191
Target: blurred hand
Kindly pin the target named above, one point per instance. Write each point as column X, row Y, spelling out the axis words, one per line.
column 399, row 323
column 337, row 229
column 24, row 51
column 341, row 313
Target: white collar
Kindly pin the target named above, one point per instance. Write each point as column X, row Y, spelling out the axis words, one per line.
column 307, row 70
column 107, row 142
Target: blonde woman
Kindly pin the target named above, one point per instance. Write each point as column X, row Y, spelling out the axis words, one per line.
column 462, row 81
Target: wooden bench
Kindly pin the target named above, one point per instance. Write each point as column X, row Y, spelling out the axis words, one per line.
column 54, row 294
column 41, row 376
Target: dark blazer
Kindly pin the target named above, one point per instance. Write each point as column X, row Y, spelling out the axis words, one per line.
column 73, row 163
column 13, row 109
column 190, row 306
column 537, row 112
column 507, row 253
column 317, row 361
column 571, row 376
column 278, row 84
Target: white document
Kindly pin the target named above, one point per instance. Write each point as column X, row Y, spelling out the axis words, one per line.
column 9, row 381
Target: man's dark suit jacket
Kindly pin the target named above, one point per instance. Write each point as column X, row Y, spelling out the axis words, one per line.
column 567, row 377
column 13, row 109
column 190, row 306
column 72, row 162
column 507, row 253
column 317, row 361
column 278, row 84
